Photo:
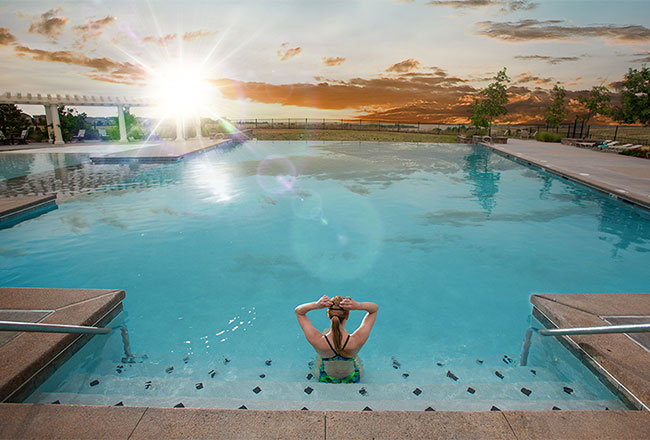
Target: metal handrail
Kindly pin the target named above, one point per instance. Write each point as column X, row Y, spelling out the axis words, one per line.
column 599, row 330
column 17, row 326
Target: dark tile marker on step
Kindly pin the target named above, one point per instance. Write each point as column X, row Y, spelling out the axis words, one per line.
column 396, row 363
column 56, row 402
column 452, row 376
column 179, row 405
column 494, row 408
column 526, row 391
column 471, row 390
column 262, row 375
column 405, row 375
column 199, row 386
column 212, row 373
column 304, row 408
column 367, row 408
column 243, row 407
column 308, row 390
column 168, row 370
column 225, row 361
column 309, row 376
column 417, row 391
column 534, row 372
column 363, row 392
column 499, row 375
column 567, row 390
column 429, row 409
column 555, row 408
column 186, row 359
column 256, row 390
column 440, row 364
column 120, row 403
column 94, row 382
column 268, row 363
column 479, row 361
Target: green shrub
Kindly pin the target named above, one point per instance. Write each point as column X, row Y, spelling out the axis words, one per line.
column 548, row 137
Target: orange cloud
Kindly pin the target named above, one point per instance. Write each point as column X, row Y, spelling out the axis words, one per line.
column 333, row 61
column 162, row 40
column 284, row 53
column 404, row 66
column 93, row 28
column 49, row 25
column 195, row 35
column 114, row 70
column 6, row 37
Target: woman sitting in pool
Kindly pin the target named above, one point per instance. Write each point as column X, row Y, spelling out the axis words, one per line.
column 337, row 350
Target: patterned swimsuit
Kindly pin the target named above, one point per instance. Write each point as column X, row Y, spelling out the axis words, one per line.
column 352, row 378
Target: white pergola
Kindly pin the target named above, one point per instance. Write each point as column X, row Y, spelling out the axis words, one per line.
column 51, row 102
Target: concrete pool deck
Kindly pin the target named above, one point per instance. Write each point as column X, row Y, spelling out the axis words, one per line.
column 626, row 177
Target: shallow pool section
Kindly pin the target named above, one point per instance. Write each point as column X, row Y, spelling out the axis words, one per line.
column 214, row 253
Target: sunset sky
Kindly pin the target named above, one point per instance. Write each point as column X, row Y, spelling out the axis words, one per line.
column 416, row 60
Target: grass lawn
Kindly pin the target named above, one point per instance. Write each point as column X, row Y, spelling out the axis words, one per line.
column 296, row 134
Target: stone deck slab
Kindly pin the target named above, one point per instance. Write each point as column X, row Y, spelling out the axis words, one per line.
column 34, row 421
column 28, row 358
column 625, row 177
column 618, row 354
column 161, row 151
column 13, row 207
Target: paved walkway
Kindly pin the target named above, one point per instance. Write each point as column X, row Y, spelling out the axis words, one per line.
column 624, row 176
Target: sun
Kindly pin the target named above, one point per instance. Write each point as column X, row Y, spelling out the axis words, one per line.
column 181, row 91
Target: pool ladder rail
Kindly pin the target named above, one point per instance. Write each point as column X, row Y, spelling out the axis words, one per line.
column 17, row 326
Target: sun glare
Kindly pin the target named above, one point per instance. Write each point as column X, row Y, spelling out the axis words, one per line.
column 181, row 91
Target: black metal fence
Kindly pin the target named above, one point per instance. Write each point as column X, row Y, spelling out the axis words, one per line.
column 576, row 129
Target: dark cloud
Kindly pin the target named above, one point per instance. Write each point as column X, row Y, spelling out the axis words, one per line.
column 102, row 67
column 506, row 5
column 285, row 52
column 528, row 77
column 93, row 29
column 404, row 66
column 6, row 37
column 49, row 25
column 548, row 59
column 197, row 35
column 527, row 30
column 333, row 61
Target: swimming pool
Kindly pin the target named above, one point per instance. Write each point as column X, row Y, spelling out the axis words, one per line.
column 215, row 251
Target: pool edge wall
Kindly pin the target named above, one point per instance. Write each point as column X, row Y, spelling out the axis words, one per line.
column 28, row 359
column 618, row 361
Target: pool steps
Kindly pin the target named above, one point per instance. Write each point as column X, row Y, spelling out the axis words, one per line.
column 396, row 393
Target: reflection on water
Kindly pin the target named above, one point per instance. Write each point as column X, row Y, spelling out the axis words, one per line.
column 485, row 180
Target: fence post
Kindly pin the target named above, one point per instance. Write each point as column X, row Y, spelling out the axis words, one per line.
column 582, row 126
column 271, row 122
column 289, row 122
column 418, row 126
column 575, row 125
column 616, row 132
column 255, row 122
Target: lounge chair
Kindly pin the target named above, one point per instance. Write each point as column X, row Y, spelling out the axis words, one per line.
column 102, row 134
column 607, row 144
column 626, row 147
column 23, row 137
column 80, row 136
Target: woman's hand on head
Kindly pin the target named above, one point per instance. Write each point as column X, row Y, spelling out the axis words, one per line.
column 350, row 304
column 324, row 302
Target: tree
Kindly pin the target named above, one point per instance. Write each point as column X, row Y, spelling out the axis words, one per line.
column 635, row 102
column 596, row 103
column 556, row 112
column 12, row 121
column 71, row 121
column 492, row 103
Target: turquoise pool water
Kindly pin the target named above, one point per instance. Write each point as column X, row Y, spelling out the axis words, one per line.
column 214, row 253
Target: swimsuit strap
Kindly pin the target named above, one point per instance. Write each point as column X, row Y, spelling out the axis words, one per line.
column 330, row 344
column 346, row 343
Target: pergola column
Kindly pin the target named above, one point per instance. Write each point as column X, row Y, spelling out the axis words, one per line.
column 179, row 129
column 199, row 135
column 48, row 122
column 56, row 124
column 121, row 123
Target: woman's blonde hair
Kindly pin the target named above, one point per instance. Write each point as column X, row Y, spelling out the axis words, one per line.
column 336, row 314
